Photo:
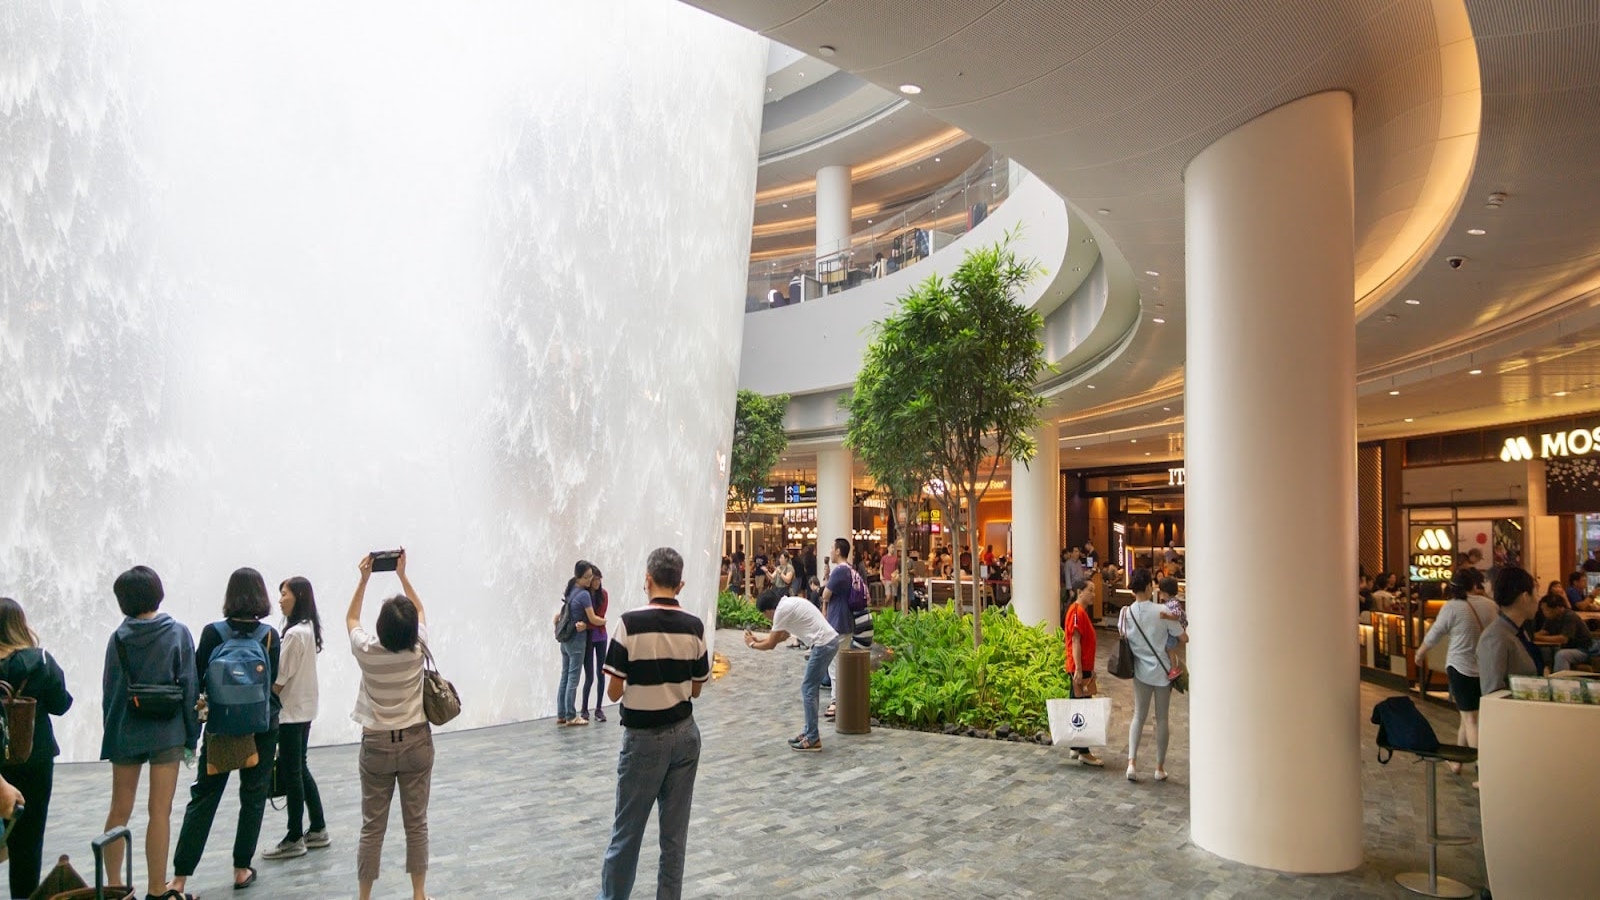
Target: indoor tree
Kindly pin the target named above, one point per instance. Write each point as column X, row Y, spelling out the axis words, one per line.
column 758, row 442
column 896, row 450
column 959, row 362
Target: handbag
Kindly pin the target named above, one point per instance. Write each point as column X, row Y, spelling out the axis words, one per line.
column 19, row 713
column 440, row 702
column 1176, row 676
column 227, row 752
column 1085, row 687
column 1122, row 655
column 149, row 701
column 1079, row 723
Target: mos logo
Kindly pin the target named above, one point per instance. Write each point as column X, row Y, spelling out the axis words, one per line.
column 1517, row 449
column 1434, row 540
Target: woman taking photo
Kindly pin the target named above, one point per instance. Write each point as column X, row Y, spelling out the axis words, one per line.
column 783, row 575
column 31, row 672
column 148, row 649
column 396, row 743
column 1145, row 632
column 1460, row 623
column 296, row 687
column 244, row 605
column 594, row 662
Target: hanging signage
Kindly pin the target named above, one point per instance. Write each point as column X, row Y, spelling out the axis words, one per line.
column 1433, row 555
column 1553, row 445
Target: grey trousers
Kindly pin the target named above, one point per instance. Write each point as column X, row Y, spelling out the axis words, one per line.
column 388, row 759
column 1143, row 694
column 656, row 769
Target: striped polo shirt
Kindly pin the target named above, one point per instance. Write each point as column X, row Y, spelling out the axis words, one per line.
column 658, row 652
column 390, row 696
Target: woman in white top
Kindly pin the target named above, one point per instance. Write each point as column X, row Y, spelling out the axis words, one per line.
column 296, row 687
column 1146, row 633
column 1461, row 621
column 396, row 744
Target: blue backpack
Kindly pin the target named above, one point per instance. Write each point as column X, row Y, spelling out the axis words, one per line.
column 239, row 683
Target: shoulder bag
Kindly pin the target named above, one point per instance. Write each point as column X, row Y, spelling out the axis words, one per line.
column 440, row 702
column 19, row 717
column 1176, row 676
column 149, row 701
column 1122, row 655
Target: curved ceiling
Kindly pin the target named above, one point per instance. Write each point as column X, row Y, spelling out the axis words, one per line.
column 1109, row 102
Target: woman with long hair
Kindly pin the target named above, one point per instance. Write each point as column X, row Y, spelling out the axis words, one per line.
column 594, row 662
column 297, row 690
column 31, row 672
column 1460, row 623
column 149, row 647
column 244, row 605
column 396, row 742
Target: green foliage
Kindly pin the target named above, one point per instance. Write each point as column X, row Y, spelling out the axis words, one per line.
column 758, row 441
column 733, row 611
column 947, row 384
column 936, row 676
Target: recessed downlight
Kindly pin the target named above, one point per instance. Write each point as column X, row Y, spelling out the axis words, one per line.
column 1166, row 409
column 1475, row 372
column 1103, row 212
column 1159, row 321
column 1152, row 273
column 784, row 205
column 1559, row 394
column 1476, row 231
column 1413, row 302
column 1394, row 393
column 1410, row 420
column 910, row 89
column 1089, row 386
column 826, row 50
column 1134, row 441
column 1077, row 448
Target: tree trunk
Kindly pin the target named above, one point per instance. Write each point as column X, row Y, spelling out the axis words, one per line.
column 972, row 548
column 749, row 558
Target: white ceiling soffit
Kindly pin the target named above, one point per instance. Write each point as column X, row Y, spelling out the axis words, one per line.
column 829, row 108
column 1107, row 102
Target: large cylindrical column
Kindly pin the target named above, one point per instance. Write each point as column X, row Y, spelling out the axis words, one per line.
column 833, row 210
column 834, row 501
column 1036, row 531
column 1271, row 487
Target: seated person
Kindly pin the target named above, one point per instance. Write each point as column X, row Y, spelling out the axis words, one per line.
column 1562, row 634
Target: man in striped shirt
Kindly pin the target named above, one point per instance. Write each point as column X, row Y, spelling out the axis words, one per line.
column 657, row 662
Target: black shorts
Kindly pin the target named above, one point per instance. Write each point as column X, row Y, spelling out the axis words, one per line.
column 1464, row 689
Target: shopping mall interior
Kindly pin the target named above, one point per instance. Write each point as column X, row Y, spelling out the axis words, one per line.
column 1320, row 297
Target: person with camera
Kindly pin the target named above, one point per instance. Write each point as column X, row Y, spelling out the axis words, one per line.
column 240, row 712
column 149, row 695
column 33, row 673
column 396, row 742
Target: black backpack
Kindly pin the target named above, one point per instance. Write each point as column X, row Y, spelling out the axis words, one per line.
column 566, row 626
column 1401, row 726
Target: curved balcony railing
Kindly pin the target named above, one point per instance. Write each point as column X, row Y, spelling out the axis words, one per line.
column 902, row 240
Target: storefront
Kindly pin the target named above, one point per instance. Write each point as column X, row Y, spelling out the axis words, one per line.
column 1133, row 516
column 1523, row 495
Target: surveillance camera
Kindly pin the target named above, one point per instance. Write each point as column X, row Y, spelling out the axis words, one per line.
column 1456, row 262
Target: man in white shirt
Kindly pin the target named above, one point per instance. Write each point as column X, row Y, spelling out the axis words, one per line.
column 796, row 616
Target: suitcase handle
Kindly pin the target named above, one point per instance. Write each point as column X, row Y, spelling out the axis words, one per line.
column 98, row 845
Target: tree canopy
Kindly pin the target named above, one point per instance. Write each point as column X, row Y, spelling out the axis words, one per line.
column 758, row 442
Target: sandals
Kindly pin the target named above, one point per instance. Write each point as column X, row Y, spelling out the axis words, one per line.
column 831, row 711
column 805, row 746
column 241, row 885
column 172, row 895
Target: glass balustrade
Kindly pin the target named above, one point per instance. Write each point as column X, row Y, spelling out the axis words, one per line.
column 901, row 240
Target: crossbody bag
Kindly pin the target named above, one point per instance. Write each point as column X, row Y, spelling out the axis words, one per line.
column 1176, row 676
column 149, row 700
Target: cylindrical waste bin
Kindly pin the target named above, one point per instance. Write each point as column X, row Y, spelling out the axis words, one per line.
column 854, row 714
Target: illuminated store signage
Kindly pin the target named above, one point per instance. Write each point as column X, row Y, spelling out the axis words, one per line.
column 1432, row 552
column 1175, row 477
column 1552, row 444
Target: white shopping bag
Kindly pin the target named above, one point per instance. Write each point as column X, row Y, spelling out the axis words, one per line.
column 1079, row 723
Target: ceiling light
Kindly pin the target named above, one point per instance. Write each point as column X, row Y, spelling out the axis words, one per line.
column 1077, row 448
column 1103, row 212
column 1413, row 302
column 910, row 89
column 1147, row 453
column 784, row 205
column 869, row 221
column 1394, row 393
column 1159, row 321
column 1410, row 420
column 1475, row 372
column 936, row 159
column 1134, row 441
column 1166, row 409
column 1090, row 387
column 826, row 50
column 1476, row 231
column 1152, row 272
column 1560, row 394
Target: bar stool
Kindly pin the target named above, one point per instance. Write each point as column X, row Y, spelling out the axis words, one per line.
column 1431, row 883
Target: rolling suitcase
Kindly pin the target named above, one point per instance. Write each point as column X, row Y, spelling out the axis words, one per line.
column 101, row 890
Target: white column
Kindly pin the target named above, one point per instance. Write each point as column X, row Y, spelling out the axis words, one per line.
column 834, row 501
column 1036, row 532
column 833, row 209
column 1275, row 741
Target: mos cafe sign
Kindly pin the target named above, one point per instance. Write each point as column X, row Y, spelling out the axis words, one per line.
column 1577, row 442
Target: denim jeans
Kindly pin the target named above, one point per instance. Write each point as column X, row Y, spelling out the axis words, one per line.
column 657, row 765
column 572, row 653
column 817, row 666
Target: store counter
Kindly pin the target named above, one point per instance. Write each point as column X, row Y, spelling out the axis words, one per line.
column 1535, row 816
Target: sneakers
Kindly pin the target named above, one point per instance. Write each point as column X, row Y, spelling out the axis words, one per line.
column 316, row 840
column 1089, row 759
column 599, row 715
column 287, row 850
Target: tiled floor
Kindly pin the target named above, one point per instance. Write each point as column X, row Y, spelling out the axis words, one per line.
column 524, row 811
